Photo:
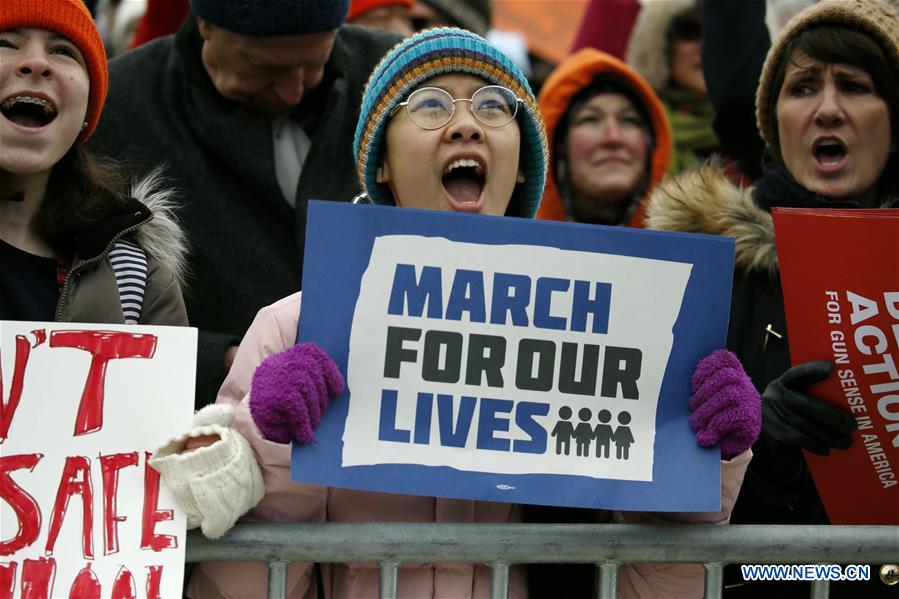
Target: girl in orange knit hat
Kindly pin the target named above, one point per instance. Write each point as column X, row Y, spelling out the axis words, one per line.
column 71, row 241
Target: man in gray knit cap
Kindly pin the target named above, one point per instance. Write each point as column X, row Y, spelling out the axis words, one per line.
column 252, row 104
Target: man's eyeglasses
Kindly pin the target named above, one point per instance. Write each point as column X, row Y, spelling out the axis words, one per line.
column 432, row 108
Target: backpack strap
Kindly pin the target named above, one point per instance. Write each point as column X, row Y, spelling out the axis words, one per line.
column 129, row 264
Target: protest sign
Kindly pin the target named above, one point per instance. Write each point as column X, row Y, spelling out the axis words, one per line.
column 840, row 275
column 548, row 26
column 512, row 360
column 83, row 406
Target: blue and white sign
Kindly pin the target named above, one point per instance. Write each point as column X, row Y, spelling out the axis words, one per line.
column 512, row 360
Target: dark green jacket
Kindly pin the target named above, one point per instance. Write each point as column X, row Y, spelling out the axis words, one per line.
column 246, row 242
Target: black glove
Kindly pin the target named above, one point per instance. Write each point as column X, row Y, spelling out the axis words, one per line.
column 794, row 418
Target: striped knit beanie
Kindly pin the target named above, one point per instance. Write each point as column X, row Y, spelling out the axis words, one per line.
column 70, row 19
column 437, row 52
column 272, row 17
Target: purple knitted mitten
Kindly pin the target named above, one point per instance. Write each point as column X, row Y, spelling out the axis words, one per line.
column 725, row 405
column 291, row 390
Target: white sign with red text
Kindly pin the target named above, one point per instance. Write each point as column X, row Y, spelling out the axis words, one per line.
column 83, row 407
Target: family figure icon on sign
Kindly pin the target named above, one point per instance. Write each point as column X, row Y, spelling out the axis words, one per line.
column 584, row 433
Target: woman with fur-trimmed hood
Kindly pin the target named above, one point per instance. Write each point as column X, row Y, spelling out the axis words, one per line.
column 74, row 246
column 829, row 84
column 665, row 49
column 610, row 142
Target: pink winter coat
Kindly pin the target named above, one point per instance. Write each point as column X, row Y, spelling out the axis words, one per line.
column 273, row 330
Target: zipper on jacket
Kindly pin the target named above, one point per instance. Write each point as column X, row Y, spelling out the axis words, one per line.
column 86, row 263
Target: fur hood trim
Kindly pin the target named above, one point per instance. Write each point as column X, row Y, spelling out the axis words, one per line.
column 162, row 236
column 647, row 51
column 705, row 201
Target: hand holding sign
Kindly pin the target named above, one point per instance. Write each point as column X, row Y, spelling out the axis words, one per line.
column 795, row 418
column 291, row 390
column 725, row 405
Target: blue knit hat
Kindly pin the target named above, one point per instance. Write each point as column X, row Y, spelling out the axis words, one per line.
column 437, row 52
column 273, row 17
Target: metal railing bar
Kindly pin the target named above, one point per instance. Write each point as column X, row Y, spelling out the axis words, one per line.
column 714, row 580
column 607, row 583
column 571, row 543
column 387, row 580
column 499, row 580
column 820, row 589
column 277, row 580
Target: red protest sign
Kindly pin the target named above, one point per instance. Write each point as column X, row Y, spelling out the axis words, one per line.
column 840, row 275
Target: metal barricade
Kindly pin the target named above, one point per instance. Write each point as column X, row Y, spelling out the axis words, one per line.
column 501, row 545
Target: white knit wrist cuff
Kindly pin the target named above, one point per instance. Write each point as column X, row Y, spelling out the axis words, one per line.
column 214, row 485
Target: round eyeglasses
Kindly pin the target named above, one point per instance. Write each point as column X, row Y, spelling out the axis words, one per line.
column 432, row 107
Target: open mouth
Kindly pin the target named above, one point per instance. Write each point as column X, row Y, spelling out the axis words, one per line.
column 830, row 152
column 28, row 111
column 464, row 180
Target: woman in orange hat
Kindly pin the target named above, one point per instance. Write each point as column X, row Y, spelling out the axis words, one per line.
column 73, row 245
column 610, row 141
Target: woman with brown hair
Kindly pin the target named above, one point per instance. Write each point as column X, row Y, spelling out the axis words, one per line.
column 826, row 108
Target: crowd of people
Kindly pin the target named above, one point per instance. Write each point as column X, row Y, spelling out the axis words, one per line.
column 187, row 164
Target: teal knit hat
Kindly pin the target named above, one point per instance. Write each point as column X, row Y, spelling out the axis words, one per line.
column 437, row 52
